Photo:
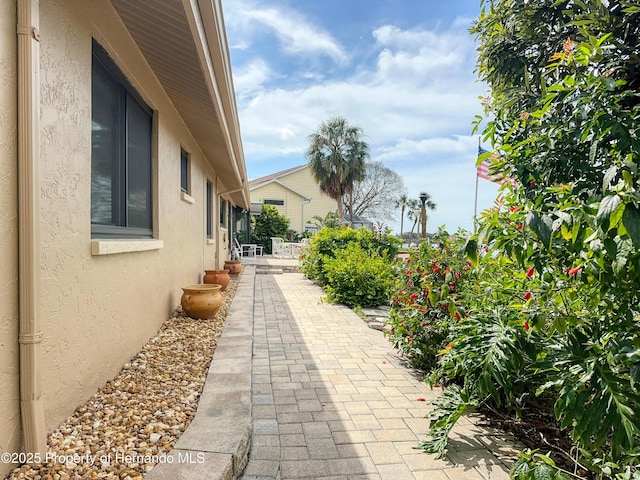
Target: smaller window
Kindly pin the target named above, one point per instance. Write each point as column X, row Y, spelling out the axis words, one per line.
column 311, row 230
column 274, row 202
column 223, row 212
column 209, row 209
column 184, row 171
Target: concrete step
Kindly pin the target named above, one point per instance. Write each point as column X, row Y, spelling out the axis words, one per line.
column 268, row 271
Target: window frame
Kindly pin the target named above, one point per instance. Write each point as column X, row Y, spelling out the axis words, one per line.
column 209, row 209
column 185, row 171
column 102, row 64
column 273, row 202
column 223, row 217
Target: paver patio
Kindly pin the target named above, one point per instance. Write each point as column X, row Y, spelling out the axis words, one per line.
column 331, row 400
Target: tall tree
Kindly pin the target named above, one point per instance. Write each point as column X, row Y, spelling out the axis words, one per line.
column 375, row 196
column 402, row 202
column 416, row 209
column 564, row 117
column 337, row 156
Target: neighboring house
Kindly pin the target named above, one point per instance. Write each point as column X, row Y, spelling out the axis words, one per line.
column 122, row 178
column 295, row 194
column 359, row 221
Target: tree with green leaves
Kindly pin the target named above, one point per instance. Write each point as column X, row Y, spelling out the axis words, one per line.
column 337, row 155
column 415, row 209
column 270, row 223
column 564, row 120
column 402, row 203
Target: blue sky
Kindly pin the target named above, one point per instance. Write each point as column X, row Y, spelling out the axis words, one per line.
column 402, row 70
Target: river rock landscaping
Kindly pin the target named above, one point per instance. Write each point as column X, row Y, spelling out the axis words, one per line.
column 132, row 422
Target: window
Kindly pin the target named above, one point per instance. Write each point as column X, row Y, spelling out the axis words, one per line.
column 223, row 212
column 274, row 202
column 121, row 154
column 184, row 171
column 209, row 209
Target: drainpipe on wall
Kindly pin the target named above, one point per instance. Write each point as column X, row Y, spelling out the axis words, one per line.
column 304, row 201
column 30, row 336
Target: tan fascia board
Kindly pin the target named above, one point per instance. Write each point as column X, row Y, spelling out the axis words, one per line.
column 207, row 29
column 284, row 185
column 30, row 336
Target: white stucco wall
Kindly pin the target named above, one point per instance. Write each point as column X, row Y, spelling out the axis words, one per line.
column 10, row 435
column 97, row 311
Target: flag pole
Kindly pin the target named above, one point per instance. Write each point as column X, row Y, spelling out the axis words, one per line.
column 475, row 202
column 475, row 207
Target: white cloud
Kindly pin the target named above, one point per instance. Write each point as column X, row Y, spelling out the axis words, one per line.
column 250, row 78
column 296, row 34
column 415, row 96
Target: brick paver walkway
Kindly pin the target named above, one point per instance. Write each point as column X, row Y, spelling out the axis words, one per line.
column 332, row 401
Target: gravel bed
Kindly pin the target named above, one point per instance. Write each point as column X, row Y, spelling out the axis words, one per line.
column 132, row 422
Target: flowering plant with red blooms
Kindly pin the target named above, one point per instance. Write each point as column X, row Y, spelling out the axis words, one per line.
column 426, row 300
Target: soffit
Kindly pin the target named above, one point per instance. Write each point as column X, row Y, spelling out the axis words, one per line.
column 165, row 36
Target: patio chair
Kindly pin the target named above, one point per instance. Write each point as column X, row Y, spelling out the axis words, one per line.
column 278, row 248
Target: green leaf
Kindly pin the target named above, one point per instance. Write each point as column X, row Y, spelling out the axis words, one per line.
column 471, row 251
column 631, row 221
column 607, row 205
column 608, row 177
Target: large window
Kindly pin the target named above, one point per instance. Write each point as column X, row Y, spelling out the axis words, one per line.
column 121, row 154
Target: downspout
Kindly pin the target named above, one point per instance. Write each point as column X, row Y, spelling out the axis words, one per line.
column 304, row 200
column 30, row 336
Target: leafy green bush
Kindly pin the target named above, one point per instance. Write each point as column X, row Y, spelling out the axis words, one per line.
column 554, row 309
column 426, row 299
column 329, row 241
column 270, row 223
column 359, row 277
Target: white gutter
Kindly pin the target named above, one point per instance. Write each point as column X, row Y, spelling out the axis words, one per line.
column 242, row 183
column 30, row 336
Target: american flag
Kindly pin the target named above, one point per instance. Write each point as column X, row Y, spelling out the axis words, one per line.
column 483, row 168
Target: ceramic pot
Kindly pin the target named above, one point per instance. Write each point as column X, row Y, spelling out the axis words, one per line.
column 234, row 266
column 220, row 277
column 201, row 301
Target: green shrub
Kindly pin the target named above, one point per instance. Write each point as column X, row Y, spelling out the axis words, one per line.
column 329, row 241
column 359, row 277
column 427, row 299
column 270, row 223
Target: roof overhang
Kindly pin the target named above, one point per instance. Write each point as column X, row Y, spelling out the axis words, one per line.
column 185, row 44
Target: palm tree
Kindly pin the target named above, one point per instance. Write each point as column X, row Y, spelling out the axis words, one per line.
column 337, row 156
column 413, row 212
column 415, row 208
column 402, row 203
column 428, row 205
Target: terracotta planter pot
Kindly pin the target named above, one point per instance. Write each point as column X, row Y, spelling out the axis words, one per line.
column 219, row 277
column 234, row 266
column 201, row 301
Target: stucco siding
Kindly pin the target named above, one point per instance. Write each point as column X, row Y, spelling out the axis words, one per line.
column 10, row 437
column 99, row 310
